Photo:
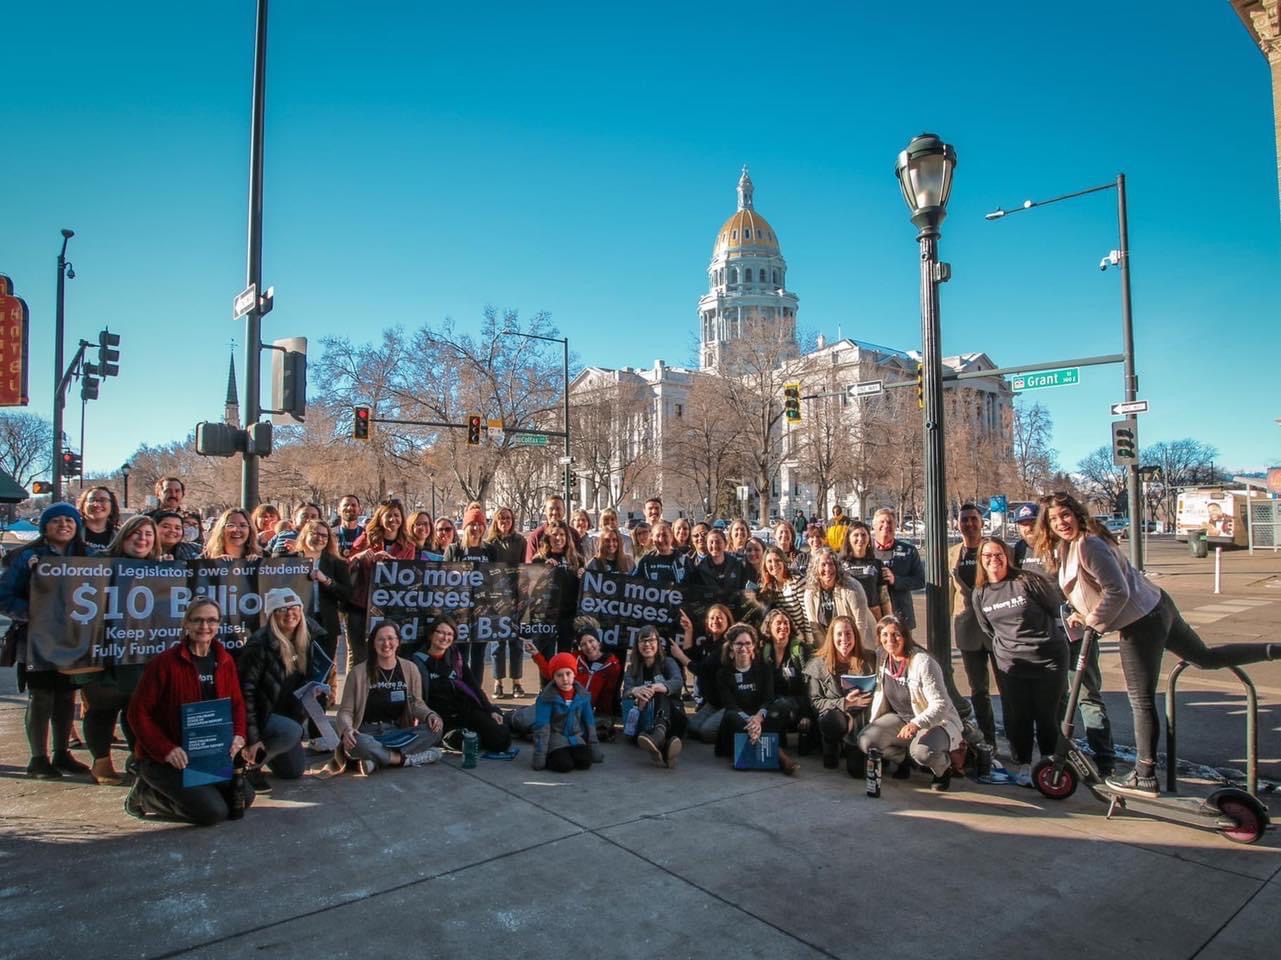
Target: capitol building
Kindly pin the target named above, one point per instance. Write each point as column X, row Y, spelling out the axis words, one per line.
column 641, row 431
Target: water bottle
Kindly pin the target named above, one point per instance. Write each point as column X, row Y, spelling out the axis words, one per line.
column 236, row 808
column 873, row 772
column 632, row 722
column 471, row 749
column 983, row 760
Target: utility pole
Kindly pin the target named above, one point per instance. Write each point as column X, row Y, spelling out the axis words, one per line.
column 253, row 271
column 58, row 398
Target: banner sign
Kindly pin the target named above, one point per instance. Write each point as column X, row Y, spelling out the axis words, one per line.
column 488, row 601
column 14, row 339
column 624, row 604
column 90, row 611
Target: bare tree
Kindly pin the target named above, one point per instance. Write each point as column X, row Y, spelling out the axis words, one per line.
column 1035, row 458
column 1183, row 463
column 612, row 446
column 704, row 450
column 26, row 443
column 821, row 444
column 1102, row 480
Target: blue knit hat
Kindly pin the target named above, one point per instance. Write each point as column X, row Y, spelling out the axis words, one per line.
column 55, row 510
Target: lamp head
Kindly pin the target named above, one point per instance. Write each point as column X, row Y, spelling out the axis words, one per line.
column 68, row 233
column 996, row 214
column 71, row 272
column 924, row 173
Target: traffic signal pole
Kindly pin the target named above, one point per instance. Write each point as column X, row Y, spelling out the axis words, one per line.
column 253, row 268
column 59, row 394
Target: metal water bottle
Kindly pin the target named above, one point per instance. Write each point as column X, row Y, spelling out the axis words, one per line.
column 471, row 749
column 873, row 772
column 983, row 760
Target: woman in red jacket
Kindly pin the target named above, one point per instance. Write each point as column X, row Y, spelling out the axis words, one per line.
column 196, row 668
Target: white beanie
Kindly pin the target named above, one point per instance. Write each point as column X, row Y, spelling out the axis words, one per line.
column 278, row 599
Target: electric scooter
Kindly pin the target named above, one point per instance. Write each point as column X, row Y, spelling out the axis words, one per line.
column 1236, row 814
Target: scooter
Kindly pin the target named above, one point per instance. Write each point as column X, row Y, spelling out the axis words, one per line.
column 1236, row 814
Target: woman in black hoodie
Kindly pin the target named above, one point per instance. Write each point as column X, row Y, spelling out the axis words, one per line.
column 1019, row 611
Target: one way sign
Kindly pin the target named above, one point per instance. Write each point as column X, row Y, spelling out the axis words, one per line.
column 1129, row 406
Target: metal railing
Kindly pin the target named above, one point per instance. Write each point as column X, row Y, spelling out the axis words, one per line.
column 1251, row 729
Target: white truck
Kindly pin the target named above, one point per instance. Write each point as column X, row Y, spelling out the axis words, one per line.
column 1221, row 513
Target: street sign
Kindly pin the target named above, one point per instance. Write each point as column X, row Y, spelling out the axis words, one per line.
column 998, row 504
column 1046, row 378
column 529, row 440
column 565, row 461
column 868, row 388
column 1129, row 406
column 14, row 340
column 742, row 491
column 244, row 301
column 496, row 431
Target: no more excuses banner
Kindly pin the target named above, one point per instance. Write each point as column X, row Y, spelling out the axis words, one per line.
column 86, row 611
column 488, row 601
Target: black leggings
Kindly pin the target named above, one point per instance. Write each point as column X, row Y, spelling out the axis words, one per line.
column 776, row 721
column 494, row 737
column 1032, row 701
column 565, row 759
column 1142, row 644
column 103, row 705
column 51, row 705
column 161, row 791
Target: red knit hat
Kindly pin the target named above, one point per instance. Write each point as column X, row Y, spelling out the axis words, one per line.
column 563, row 661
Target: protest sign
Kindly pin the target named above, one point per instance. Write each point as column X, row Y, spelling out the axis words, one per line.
column 207, row 732
column 623, row 604
column 90, row 611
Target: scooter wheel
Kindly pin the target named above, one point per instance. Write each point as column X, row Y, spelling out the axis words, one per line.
column 1243, row 810
column 1052, row 786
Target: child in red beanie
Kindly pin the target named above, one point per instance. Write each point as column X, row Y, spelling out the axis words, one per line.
column 564, row 725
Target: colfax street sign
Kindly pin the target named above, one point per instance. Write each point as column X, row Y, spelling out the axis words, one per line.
column 1129, row 406
column 1046, row 378
column 244, row 301
column 529, row 440
column 868, row 388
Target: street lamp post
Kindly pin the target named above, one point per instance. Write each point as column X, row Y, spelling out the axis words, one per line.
column 569, row 465
column 924, row 172
column 65, row 272
column 124, row 472
column 1121, row 259
column 253, row 266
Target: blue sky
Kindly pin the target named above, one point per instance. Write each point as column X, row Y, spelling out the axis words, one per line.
column 423, row 162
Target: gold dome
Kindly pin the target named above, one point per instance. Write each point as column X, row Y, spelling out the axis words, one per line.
column 743, row 230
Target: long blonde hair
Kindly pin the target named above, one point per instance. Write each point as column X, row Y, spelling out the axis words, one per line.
column 831, row 658
column 292, row 650
column 216, row 545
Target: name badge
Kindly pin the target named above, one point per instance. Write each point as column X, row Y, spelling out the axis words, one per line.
column 398, row 696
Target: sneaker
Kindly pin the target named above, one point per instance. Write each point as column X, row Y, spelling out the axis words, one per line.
column 133, row 803
column 903, row 771
column 1131, row 782
column 517, row 689
column 258, row 780
column 423, row 757
column 498, row 691
column 942, row 781
column 672, row 752
column 41, row 769
column 65, row 762
column 645, row 742
column 1024, row 777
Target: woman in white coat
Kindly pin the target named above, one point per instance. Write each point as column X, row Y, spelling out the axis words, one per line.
column 829, row 594
column 911, row 712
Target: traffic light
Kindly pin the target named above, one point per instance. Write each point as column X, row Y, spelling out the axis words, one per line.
column 920, row 386
column 108, row 357
column 218, row 439
column 473, row 430
column 70, row 464
column 360, row 423
column 792, row 402
column 289, row 380
column 41, row 486
column 1125, row 442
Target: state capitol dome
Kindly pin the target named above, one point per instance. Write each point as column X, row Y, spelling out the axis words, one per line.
column 747, row 283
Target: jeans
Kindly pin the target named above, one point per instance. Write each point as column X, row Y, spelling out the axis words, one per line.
column 1094, row 712
column 104, row 704
column 369, row 748
column 162, row 793
column 1142, row 644
column 282, row 747
column 929, row 748
column 976, row 674
column 1031, row 703
column 511, row 650
column 663, row 710
column 704, row 723
column 49, row 707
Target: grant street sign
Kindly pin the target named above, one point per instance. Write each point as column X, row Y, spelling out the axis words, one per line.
column 1046, row 378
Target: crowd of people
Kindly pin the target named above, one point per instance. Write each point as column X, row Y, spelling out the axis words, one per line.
column 822, row 660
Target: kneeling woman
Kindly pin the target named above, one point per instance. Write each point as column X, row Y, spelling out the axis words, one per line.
column 564, row 725
column 196, row 668
column 382, row 702
column 456, row 693
column 652, row 685
column 841, row 713
column 272, row 665
column 911, row 712
column 746, row 684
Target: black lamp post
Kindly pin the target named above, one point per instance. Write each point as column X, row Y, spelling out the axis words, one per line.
column 124, row 472
column 65, row 272
column 924, row 172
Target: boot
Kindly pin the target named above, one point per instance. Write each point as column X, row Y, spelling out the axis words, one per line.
column 659, row 735
column 672, row 751
column 787, row 764
column 104, row 774
column 65, row 762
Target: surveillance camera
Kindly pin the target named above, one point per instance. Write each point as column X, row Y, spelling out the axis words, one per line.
column 1103, row 264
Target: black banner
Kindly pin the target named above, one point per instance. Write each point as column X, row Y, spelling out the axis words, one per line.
column 624, row 604
column 88, row 611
